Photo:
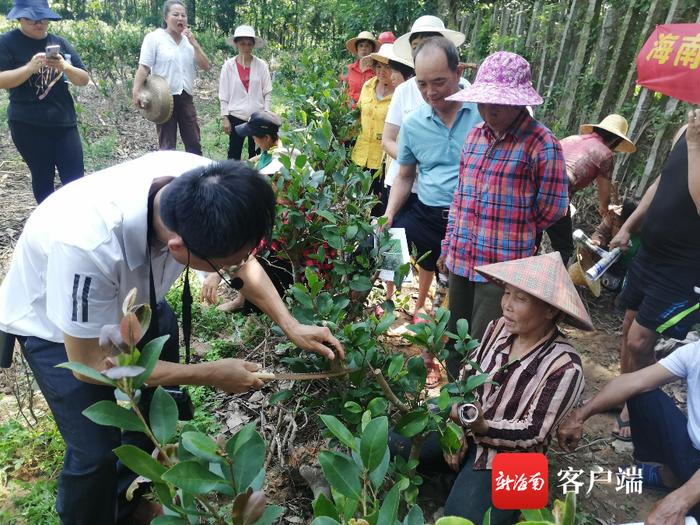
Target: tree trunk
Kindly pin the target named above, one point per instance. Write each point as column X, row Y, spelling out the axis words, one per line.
column 617, row 50
column 644, row 34
column 671, row 106
column 503, row 30
column 543, row 55
column 533, row 22
column 635, row 131
column 574, row 74
column 475, row 35
column 564, row 36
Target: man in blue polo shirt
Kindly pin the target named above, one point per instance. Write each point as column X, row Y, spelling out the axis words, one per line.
column 432, row 137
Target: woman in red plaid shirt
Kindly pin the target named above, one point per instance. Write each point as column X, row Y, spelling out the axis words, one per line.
column 512, row 185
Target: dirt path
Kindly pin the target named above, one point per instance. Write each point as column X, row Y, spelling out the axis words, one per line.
column 123, row 134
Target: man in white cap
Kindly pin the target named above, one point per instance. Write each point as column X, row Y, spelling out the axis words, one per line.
column 431, row 137
column 407, row 97
column 512, row 186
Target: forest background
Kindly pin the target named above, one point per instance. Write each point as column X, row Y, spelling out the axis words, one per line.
column 582, row 52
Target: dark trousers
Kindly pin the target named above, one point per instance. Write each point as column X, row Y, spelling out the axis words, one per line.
column 561, row 236
column 235, row 141
column 185, row 117
column 470, row 495
column 46, row 149
column 660, row 435
column 478, row 303
column 92, row 484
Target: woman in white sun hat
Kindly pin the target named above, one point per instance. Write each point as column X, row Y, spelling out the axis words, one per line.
column 245, row 86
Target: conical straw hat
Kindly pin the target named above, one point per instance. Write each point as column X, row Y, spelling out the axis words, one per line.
column 577, row 271
column 156, row 99
column 544, row 277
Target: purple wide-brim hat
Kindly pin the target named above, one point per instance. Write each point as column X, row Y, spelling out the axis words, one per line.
column 503, row 78
column 32, row 10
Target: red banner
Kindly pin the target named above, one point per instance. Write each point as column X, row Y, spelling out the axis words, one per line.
column 669, row 62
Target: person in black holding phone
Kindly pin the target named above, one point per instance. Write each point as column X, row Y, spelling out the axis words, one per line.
column 41, row 115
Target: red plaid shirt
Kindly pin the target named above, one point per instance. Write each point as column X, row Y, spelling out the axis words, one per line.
column 509, row 189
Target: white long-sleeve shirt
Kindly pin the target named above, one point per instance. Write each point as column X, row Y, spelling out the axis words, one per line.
column 238, row 102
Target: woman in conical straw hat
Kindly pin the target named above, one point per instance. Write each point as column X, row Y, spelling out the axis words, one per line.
column 535, row 379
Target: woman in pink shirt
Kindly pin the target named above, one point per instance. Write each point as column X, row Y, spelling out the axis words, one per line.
column 245, row 87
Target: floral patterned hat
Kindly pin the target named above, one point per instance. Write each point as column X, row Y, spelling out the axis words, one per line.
column 503, row 78
column 544, row 277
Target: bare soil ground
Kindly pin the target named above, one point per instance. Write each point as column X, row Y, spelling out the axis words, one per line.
column 135, row 136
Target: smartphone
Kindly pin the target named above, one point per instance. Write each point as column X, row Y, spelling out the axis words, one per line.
column 52, row 51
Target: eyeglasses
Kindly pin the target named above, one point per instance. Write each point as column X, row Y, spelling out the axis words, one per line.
column 236, row 283
column 36, row 22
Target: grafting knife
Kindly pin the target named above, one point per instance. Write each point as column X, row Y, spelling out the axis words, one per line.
column 305, row 376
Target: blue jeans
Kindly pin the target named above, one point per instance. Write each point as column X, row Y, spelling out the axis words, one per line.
column 92, row 483
column 470, row 496
column 660, row 435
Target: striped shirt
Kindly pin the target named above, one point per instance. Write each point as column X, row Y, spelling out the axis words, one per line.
column 532, row 394
column 509, row 189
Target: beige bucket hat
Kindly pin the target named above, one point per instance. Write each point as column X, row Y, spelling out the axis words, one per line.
column 351, row 45
column 544, row 277
column 617, row 125
column 156, row 101
column 426, row 24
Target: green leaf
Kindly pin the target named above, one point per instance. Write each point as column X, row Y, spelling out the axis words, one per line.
column 272, row 512
column 163, row 416
column 86, row 371
column 487, row 517
column 395, row 366
column 378, row 474
column 109, row 414
column 475, row 381
column 374, row 443
column 390, row 506
column 202, row 446
column 325, row 520
column 248, row 460
column 463, row 328
column 454, row 520
column 385, row 323
column 412, row 423
column 451, row 438
column 352, row 407
column 360, row 283
column 324, row 507
column 140, row 462
column 339, row 430
column 378, row 406
column 327, row 215
column 414, row 516
column 170, row 520
column 149, row 357
column 192, row 477
column 342, row 473
column 280, row 396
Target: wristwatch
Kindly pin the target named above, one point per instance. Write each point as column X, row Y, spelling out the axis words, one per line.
column 468, row 413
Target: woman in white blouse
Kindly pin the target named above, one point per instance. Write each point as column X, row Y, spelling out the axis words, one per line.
column 245, row 87
column 173, row 53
